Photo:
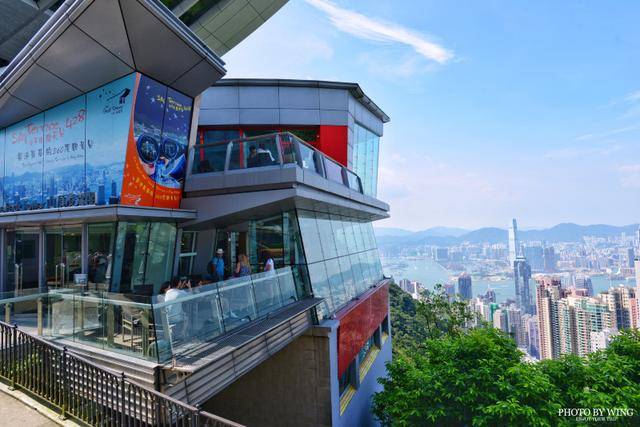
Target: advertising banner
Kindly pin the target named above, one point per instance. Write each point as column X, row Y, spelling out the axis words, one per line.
column 64, row 154
column 24, row 157
column 123, row 143
column 109, row 112
column 156, row 153
column 171, row 168
column 2, row 137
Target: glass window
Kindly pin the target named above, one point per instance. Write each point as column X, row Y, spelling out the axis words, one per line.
column 159, row 264
column 307, row 135
column 338, row 291
column 308, row 158
column 351, row 239
column 366, row 145
column 333, row 171
column 188, row 243
column 321, row 288
column 310, row 236
column 131, row 250
column 357, row 233
column 268, row 243
column 258, row 132
column 288, row 149
column 210, row 159
column 368, row 345
column 327, row 239
column 219, row 135
column 253, row 153
column 358, row 276
column 339, row 235
column 101, row 242
column 347, row 277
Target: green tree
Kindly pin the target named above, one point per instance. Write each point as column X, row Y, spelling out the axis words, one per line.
column 445, row 374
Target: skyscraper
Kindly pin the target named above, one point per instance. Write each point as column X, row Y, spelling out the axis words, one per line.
column 464, row 286
column 548, row 292
column 514, row 243
column 584, row 282
column 550, row 260
column 521, row 276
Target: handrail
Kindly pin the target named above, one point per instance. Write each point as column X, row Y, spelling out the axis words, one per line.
column 152, row 328
column 277, row 138
column 90, row 393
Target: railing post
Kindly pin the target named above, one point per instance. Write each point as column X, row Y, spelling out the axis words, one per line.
column 195, row 422
column 65, row 382
column 14, row 356
column 7, row 313
column 40, row 320
column 122, row 400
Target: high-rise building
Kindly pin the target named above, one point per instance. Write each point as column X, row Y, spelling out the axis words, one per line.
column 550, row 260
column 501, row 320
column 531, row 325
column 619, row 300
column 535, row 257
column 410, row 287
column 548, row 292
column 583, row 281
column 522, row 276
column 464, row 286
column 514, row 242
column 449, row 290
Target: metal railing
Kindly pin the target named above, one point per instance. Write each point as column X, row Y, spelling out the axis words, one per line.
column 151, row 328
column 88, row 392
column 276, row 149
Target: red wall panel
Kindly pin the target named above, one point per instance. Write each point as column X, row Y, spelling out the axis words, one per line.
column 333, row 142
column 358, row 323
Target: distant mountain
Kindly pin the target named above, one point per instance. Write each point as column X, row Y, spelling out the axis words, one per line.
column 391, row 232
column 569, row 232
column 445, row 236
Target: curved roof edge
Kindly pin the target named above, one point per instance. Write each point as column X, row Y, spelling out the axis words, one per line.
column 354, row 88
column 88, row 43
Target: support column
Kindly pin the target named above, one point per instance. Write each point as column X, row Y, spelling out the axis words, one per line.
column 3, row 260
column 84, row 249
column 42, row 280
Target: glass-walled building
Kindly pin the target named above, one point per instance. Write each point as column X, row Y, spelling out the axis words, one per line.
column 201, row 236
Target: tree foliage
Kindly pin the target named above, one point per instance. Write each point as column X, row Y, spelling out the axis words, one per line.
column 445, row 375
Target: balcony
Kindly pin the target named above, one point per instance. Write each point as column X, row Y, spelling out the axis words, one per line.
column 152, row 328
column 281, row 171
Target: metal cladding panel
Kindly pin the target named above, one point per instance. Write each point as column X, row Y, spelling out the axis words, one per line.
column 157, row 50
column 103, row 22
column 93, row 68
column 89, row 43
column 33, row 94
column 358, row 323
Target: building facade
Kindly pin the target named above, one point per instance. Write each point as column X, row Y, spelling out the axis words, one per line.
column 211, row 238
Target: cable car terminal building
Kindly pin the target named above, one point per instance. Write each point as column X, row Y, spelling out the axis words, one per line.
column 125, row 163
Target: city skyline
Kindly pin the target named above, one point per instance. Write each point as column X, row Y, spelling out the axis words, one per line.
column 498, row 108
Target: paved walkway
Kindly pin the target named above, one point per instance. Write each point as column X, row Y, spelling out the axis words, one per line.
column 16, row 413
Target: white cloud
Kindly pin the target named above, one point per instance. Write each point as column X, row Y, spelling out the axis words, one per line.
column 580, row 152
column 367, row 28
column 613, row 132
column 630, row 175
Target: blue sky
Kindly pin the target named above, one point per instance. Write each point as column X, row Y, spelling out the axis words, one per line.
column 499, row 109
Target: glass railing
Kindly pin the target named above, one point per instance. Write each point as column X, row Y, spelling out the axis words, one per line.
column 269, row 150
column 153, row 328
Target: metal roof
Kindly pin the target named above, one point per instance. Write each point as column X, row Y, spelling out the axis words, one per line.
column 354, row 88
column 88, row 43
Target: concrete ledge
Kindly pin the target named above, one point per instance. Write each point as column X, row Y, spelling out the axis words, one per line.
column 33, row 404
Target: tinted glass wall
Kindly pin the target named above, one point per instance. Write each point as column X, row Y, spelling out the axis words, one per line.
column 82, row 152
column 365, row 158
column 341, row 255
